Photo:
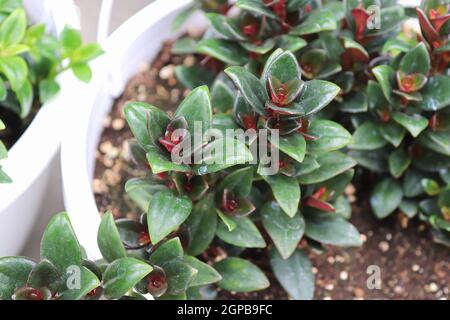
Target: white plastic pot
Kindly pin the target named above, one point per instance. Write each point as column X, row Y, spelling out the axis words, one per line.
column 34, row 158
column 135, row 42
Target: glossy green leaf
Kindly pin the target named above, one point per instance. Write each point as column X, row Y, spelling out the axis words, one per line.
column 48, row 89
column 416, row 60
column 331, row 136
column 206, row 274
column 15, row 70
column 409, row 208
column 385, row 77
column 431, row 187
column 240, row 275
column 245, row 234
column 386, row 197
column 160, row 161
column 202, row 224
column 167, row 251
column 316, row 95
column 166, row 213
column 147, row 122
column 286, row 191
column 294, row 274
column 256, row 7
column 14, row 273
column 45, row 274
column 227, row 28
column 59, row 244
column 179, row 274
column 414, row 123
column 122, row 275
column 12, row 29
column 368, row 137
column 332, row 230
column 239, row 181
column 435, row 94
column 223, row 50
column 294, row 145
column 221, row 154
column 318, row 21
column 25, row 96
column 196, row 107
column 250, row 87
column 70, row 39
column 88, row 282
column 285, row 232
column 108, row 239
column 330, row 165
column 393, row 133
column 399, row 161
column 82, row 71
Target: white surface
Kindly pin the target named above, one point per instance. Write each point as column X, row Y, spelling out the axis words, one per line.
column 29, row 159
column 137, row 41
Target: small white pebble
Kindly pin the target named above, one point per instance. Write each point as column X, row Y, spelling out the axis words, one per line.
column 433, row 287
column 415, row 268
column 327, row 298
column 343, row 275
column 384, row 246
column 314, row 270
column 331, row 260
column 389, row 236
column 329, row 287
column 363, row 237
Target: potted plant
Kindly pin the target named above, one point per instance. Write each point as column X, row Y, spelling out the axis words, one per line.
column 34, row 56
column 291, row 66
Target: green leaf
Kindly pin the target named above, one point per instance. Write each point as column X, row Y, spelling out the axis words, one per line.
column 231, row 225
column 393, row 133
column 286, row 191
column 411, row 183
column 399, row 161
column 431, row 187
column 245, row 235
column 88, row 282
column 332, row 230
column 291, row 43
column 414, row 123
column 417, row 60
column 12, row 29
column 355, row 102
column 70, row 39
column 59, row 244
column 331, row 136
column 15, row 70
column 330, row 165
column 318, row 21
column 257, row 8
column 368, row 137
column 386, row 197
column 14, row 273
column 294, row 145
column 141, row 191
column 250, row 87
column 25, row 96
column 108, row 239
column 206, row 274
column 179, row 275
column 194, row 76
column 147, row 122
column 285, row 232
column 45, row 274
column 165, row 214
column 202, row 224
column 437, row 141
column 435, row 94
column 240, row 275
column 48, row 88
column 160, row 161
column 294, row 274
column 239, row 181
column 227, row 28
column 86, row 53
column 122, row 275
column 3, row 94
column 409, row 208
column 223, row 50
column 196, row 107
column 385, row 76
column 223, row 95
column 169, row 250
column 220, row 154
column 82, row 71
column 316, row 95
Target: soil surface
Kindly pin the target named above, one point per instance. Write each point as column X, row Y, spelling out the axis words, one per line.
column 411, row 266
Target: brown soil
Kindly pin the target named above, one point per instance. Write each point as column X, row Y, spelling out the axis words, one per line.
column 412, row 267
